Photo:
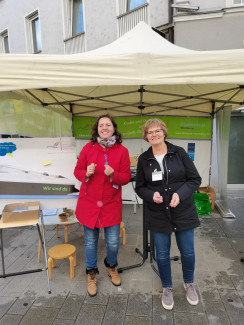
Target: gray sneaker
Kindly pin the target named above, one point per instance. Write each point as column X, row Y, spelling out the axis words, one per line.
column 167, row 298
column 191, row 293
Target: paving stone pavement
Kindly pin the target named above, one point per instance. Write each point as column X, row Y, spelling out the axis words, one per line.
column 219, row 244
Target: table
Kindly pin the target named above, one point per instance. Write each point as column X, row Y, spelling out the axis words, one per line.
column 54, row 220
column 19, row 221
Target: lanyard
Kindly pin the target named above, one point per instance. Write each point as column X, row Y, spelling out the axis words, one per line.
column 106, row 159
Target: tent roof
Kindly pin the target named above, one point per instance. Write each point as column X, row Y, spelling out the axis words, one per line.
column 139, row 73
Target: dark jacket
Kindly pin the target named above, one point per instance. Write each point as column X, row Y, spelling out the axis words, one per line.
column 181, row 177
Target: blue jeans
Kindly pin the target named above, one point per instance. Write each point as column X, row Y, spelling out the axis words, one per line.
column 185, row 243
column 91, row 241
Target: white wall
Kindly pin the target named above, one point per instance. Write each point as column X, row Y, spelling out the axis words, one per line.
column 12, row 17
column 208, row 4
column 159, row 13
column 100, row 23
column 210, row 32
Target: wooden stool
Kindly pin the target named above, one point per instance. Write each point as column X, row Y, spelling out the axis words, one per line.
column 66, row 230
column 122, row 230
column 65, row 236
column 60, row 252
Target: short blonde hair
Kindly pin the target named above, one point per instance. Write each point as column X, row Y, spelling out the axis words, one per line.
column 154, row 122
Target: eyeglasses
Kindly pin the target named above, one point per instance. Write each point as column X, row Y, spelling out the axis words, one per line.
column 156, row 132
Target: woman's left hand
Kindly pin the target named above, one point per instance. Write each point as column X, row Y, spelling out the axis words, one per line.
column 108, row 170
column 175, row 200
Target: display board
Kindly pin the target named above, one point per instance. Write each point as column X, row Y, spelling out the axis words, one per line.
column 131, row 127
column 37, row 166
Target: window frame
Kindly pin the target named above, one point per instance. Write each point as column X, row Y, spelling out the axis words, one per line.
column 32, row 33
column 72, row 19
column 68, row 19
column 3, row 37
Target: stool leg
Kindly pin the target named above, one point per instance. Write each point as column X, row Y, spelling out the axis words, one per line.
column 39, row 251
column 53, row 263
column 103, row 233
column 72, row 273
column 66, row 234
column 124, row 240
column 74, row 255
column 79, row 230
column 50, row 268
column 57, row 231
column 70, row 228
column 120, row 231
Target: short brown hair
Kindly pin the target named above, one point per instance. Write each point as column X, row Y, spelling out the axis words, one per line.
column 94, row 132
column 152, row 122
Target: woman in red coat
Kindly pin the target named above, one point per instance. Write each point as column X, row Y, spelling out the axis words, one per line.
column 102, row 168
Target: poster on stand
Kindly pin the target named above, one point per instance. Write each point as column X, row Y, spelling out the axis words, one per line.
column 37, row 166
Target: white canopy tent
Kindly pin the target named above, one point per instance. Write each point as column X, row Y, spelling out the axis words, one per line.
column 141, row 73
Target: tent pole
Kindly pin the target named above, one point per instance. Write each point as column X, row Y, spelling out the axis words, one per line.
column 211, row 146
column 223, row 128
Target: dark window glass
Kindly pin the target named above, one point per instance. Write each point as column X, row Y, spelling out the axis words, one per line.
column 6, row 46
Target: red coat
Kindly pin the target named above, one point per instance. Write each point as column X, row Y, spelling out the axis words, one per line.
column 99, row 190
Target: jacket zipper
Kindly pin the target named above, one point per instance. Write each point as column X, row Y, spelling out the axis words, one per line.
column 167, row 176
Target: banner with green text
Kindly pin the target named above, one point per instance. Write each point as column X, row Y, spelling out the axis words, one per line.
column 131, row 127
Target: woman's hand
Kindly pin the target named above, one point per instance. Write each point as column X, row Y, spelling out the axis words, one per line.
column 108, row 171
column 90, row 170
column 157, row 198
column 175, row 200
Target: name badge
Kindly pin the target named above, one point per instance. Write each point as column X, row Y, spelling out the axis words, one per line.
column 157, row 176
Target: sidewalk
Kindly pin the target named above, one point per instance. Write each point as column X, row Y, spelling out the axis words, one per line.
column 219, row 277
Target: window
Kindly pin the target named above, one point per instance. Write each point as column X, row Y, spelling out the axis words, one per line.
column 35, row 24
column 77, row 18
column 132, row 4
column 4, row 46
column 33, row 32
column 73, row 18
column 238, row 2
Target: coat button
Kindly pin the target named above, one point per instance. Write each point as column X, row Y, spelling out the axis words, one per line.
column 169, row 170
column 167, row 208
column 169, row 188
column 174, row 228
column 166, row 189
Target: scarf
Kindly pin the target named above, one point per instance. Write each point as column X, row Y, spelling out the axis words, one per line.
column 107, row 142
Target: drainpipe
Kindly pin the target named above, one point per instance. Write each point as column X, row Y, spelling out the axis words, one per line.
column 171, row 14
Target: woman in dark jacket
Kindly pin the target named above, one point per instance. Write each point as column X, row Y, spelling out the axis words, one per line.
column 166, row 180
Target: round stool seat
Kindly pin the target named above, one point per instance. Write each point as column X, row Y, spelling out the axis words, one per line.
column 61, row 251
